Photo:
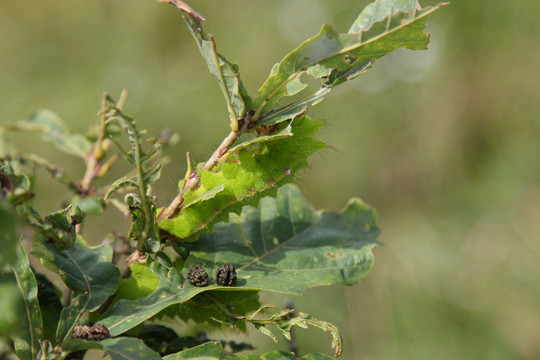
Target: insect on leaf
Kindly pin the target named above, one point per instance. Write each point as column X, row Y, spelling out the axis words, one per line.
column 283, row 239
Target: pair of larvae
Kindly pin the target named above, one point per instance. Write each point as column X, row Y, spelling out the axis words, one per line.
column 225, row 275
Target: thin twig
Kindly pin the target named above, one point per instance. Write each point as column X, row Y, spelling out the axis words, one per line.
column 95, row 154
column 93, row 161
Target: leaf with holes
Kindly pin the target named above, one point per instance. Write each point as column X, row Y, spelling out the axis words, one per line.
column 214, row 351
column 335, row 57
column 247, row 175
column 285, row 320
column 283, row 246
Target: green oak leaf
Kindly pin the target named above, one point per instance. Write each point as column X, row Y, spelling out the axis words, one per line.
column 382, row 27
column 207, row 195
column 30, row 328
column 248, row 174
column 88, row 271
column 283, row 246
column 126, row 314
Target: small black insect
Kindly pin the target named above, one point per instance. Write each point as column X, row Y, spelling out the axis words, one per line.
column 226, row 275
column 197, row 276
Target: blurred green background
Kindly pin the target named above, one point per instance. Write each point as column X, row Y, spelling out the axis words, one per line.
column 444, row 143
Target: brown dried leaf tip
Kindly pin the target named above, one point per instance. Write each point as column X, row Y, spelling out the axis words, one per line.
column 95, row 332
column 226, row 275
column 187, row 9
column 197, row 276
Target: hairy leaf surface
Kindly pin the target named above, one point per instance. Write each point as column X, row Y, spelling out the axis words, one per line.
column 51, row 306
column 287, row 247
column 290, row 111
column 247, row 175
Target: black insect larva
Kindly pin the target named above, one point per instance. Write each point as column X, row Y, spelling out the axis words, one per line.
column 99, row 332
column 197, row 276
column 81, row 332
column 95, row 332
column 226, row 275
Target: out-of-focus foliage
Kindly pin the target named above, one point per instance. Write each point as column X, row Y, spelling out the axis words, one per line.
column 444, row 143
